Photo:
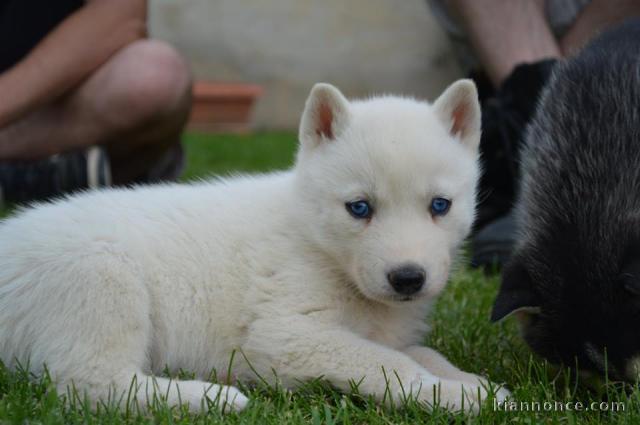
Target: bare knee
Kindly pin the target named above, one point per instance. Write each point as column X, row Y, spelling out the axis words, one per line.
column 149, row 82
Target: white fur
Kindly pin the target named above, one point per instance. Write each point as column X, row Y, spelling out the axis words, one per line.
column 112, row 284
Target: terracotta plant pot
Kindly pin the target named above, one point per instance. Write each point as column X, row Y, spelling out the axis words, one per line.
column 222, row 107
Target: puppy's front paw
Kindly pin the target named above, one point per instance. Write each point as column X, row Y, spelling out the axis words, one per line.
column 228, row 398
column 502, row 394
column 498, row 391
column 468, row 397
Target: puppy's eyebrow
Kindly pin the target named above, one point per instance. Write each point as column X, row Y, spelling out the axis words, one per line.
column 445, row 189
column 361, row 191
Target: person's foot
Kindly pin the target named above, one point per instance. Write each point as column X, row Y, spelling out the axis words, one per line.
column 26, row 181
column 492, row 244
column 168, row 168
column 504, row 119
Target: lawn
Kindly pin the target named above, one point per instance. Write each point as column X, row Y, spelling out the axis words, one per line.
column 460, row 330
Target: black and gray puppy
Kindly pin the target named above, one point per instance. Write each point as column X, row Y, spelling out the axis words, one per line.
column 574, row 278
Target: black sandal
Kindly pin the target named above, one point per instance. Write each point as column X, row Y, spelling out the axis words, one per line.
column 60, row 174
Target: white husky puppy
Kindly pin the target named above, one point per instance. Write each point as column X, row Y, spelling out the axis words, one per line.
column 327, row 270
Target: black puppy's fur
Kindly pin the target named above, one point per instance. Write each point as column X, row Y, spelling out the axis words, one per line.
column 575, row 271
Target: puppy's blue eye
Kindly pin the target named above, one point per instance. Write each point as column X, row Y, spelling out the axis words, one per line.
column 440, row 206
column 359, row 209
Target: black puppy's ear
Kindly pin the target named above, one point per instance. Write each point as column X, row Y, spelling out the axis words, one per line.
column 516, row 293
column 630, row 275
column 633, row 287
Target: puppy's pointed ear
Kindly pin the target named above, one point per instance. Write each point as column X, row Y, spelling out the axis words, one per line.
column 459, row 110
column 631, row 277
column 325, row 116
column 633, row 286
column 630, row 273
column 516, row 293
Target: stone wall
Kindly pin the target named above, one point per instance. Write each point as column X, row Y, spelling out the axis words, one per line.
column 362, row 46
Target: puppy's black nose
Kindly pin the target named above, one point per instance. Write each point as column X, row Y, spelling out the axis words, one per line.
column 407, row 279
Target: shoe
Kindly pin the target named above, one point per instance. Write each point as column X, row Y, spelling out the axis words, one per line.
column 27, row 181
column 505, row 116
column 492, row 244
column 168, row 168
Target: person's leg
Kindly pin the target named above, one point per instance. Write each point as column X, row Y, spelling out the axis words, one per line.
column 596, row 17
column 505, row 33
column 514, row 46
column 136, row 105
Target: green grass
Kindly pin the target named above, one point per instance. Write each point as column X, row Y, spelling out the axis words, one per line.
column 460, row 330
column 208, row 155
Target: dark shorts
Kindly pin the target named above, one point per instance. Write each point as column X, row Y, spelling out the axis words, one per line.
column 24, row 23
column 560, row 14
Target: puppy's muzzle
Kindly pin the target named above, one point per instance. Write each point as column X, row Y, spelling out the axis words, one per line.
column 407, row 279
